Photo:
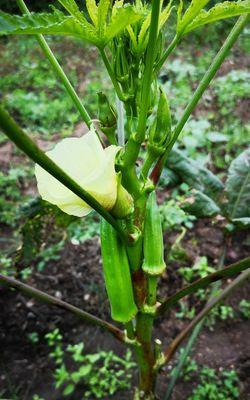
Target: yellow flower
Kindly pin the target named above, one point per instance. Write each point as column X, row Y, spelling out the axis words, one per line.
column 87, row 163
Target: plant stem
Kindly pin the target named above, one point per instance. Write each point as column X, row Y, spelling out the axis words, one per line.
column 227, row 272
column 45, row 297
column 217, row 299
column 152, row 290
column 112, row 75
column 218, row 60
column 23, row 142
column 58, row 70
column 134, row 143
column 145, row 355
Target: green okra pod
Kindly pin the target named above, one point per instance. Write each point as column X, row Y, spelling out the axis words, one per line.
column 153, row 263
column 117, row 275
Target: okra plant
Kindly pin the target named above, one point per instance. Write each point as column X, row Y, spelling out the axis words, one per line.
column 114, row 169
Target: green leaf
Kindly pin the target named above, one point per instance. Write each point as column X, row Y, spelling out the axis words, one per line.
column 220, row 11
column 69, row 389
column 191, row 13
column 200, row 205
column 195, row 175
column 242, row 222
column 103, row 8
column 52, row 24
column 72, row 8
column 238, row 186
column 124, row 17
column 92, row 10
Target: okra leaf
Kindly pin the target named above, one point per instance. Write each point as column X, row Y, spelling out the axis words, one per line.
column 238, row 187
column 103, row 8
column 193, row 174
column 44, row 23
column 220, row 11
column 92, row 10
column 123, row 17
column 72, row 8
column 191, row 13
column 200, row 205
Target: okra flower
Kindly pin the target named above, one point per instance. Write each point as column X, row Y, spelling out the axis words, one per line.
column 91, row 166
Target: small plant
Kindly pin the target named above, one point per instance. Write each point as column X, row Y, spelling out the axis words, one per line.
column 222, row 386
column 50, row 253
column 96, row 375
column 244, row 308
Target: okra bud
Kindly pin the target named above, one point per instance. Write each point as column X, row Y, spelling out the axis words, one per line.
column 153, row 263
column 117, row 275
column 124, row 204
column 161, row 130
column 107, row 117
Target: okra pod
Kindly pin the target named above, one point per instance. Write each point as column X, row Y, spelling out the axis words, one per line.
column 117, row 275
column 153, row 263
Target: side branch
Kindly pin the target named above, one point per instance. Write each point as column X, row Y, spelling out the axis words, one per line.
column 58, row 70
column 214, row 302
column 46, row 298
column 202, row 283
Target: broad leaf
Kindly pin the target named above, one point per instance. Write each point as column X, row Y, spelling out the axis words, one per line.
column 238, row 187
column 191, row 13
column 200, row 205
column 52, row 24
column 193, row 174
column 242, row 222
column 220, row 11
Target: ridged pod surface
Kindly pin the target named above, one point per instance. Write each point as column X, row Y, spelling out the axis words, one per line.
column 153, row 263
column 117, row 275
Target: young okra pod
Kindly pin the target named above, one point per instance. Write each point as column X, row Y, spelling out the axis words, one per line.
column 153, row 263
column 117, row 275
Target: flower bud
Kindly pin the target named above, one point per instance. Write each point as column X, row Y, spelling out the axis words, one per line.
column 124, row 205
column 107, row 117
column 161, row 129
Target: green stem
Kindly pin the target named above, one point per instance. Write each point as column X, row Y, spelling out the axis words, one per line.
column 23, row 142
column 166, row 54
column 58, row 70
column 214, row 302
column 148, row 73
column 152, row 290
column 112, row 76
column 134, row 143
column 218, row 60
column 202, row 283
column 130, row 330
column 46, row 298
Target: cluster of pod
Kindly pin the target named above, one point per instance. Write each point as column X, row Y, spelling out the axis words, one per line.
column 116, row 267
